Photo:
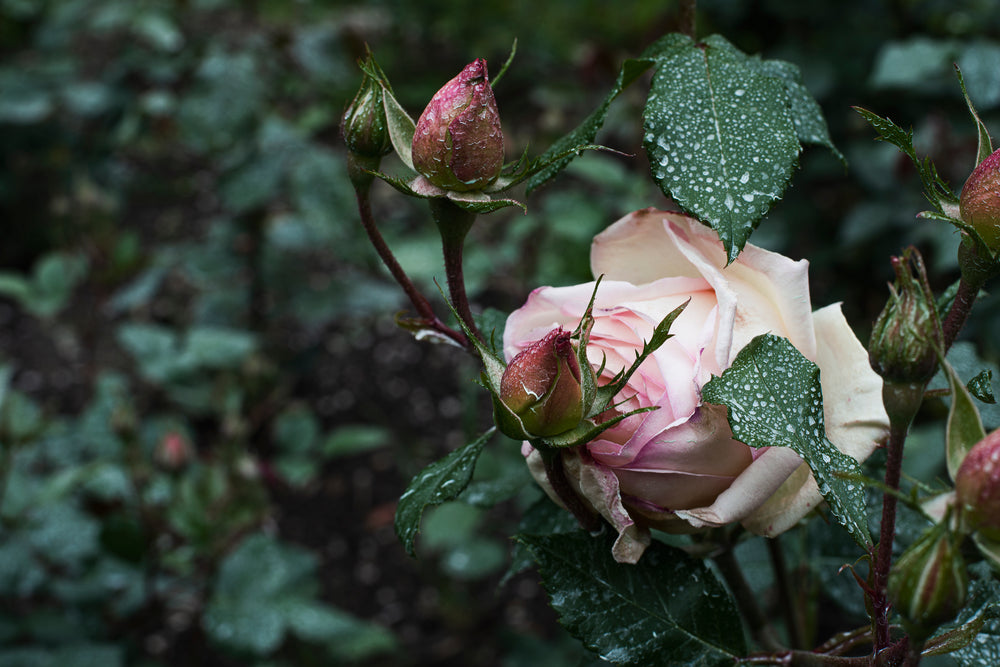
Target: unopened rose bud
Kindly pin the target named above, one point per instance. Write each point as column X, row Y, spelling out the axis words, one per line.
column 363, row 124
column 977, row 487
column 542, row 386
column 929, row 582
column 902, row 346
column 979, row 204
column 173, row 452
column 457, row 144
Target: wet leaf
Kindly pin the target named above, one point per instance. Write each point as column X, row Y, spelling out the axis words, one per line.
column 774, row 399
column 720, row 137
column 669, row 608
column 438, row 483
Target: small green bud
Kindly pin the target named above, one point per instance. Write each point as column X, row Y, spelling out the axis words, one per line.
column 457, row 143
column 979, row 204
column 906, row 333
column 542, row 386
column 929, row 583
column 363, row 124
column 977, row 487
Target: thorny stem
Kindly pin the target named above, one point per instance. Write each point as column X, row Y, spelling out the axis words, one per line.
column 760, row 627
column 793, row 618
column 453, row 224
column 891, row 656
column 902, row 402
column 419, row 301
column 960, row 309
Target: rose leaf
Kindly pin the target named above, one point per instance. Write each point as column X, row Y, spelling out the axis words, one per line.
column 720, row 136
column 972, row 639
column 438, row 483
column 668, row 609
column 774, row 399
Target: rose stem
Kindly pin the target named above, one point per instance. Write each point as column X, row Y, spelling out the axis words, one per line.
column 687, row 18
column 760, row 627
column 902, row 402
column 552, row 459
column 892, row 656
column 453, row 224
column 419, row 301
column 793, row 619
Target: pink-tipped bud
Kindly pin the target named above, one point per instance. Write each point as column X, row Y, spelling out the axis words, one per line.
column 457, row 144
column 980, row 201
column 977, row 487
column 542, row 386
column 173, row 452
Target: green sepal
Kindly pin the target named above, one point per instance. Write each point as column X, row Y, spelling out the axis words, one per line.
column 936, row 190
column 661, row 334
column 440, row 482
column 475, row 201
column 401, row 126
column 965, row 426
column 503, row 69
column 985, row 144
column 587, row 430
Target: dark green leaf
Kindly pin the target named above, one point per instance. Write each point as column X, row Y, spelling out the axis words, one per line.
column 981, row 387
column 720, row 138
column 810, row 125
column 544, row 517
column 438, row 483
column 563, row 151
column 668, row 609
column 975, row 635
column 774, row 398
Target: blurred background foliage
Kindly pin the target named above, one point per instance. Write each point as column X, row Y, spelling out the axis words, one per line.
column 206, row 411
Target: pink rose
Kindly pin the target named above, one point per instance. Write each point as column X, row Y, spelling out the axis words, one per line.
column 678, row 468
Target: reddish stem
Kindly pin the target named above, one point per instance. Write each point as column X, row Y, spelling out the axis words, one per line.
column 423, row 307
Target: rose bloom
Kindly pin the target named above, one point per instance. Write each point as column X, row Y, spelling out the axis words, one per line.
column 678, row 468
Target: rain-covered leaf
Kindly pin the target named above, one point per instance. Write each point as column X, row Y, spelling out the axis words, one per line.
column 720, row 137
column 973, row 640
column 438, row 483
column 981, row 386
column 774, row 399
column 544, row 517
column 668, row 609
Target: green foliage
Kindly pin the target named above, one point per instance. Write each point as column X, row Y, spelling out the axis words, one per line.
column 668, row 608
column 265, row 590
column 773, row 397
column 438, row 483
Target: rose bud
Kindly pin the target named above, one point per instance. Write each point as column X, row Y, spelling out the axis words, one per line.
column 929, row 582
column 542, row 386
column 363, row 124
column 979, row 204
column 902, row 346
column 173, row 451
column 977, row 487
column 457, row 144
